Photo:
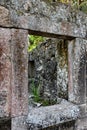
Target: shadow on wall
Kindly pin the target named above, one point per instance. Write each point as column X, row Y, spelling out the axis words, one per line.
column 5, row 125
column 65, row 126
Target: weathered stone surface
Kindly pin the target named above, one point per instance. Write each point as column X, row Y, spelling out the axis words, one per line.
column 64, row 126
column 43, row 69
column 81, row 124
column 48, row 70
column 44, row 117
column 83, row 111
column 5, row 73
column 18, row 123
column 4, row 16
column 62, row 69
column 77, row 71
column 67, row 126
column 48, row 18
column 19, row 78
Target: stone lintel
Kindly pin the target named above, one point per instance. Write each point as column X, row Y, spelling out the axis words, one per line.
column 43, row 17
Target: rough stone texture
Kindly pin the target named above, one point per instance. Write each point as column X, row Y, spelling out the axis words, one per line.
column 18, row 123
column 48, row 68
column 62, row 69
column 77, row 70
column 43, row 69
column 83, row 111
column 19, row 73
column 64, row 20
column 5, row 73
column 64, row 126
column 81, row 124
column 67, row 126
column 44, row 117
column 13, row 74
column 4, row 16
column 41, row 18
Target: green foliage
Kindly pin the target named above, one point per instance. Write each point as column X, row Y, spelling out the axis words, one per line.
column 78, row 4
column 83, row 6
column 47, row 102
column 34, row 41
column 35, row 92
column 37, row 98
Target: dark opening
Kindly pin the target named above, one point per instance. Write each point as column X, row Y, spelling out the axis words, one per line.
column 5, row 125
column 31, row 69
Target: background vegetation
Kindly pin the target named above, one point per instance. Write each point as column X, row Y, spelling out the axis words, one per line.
column 34, row 41
column 79, row 4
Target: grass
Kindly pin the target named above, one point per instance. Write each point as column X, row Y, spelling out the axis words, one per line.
column 37, row 98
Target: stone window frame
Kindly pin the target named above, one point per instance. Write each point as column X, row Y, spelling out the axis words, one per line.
column 73, row 95
column 77, row 87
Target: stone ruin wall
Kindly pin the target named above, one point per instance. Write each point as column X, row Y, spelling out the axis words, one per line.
column 45, row 68
column 48, row 67
column 17, row 20
column 56, row 51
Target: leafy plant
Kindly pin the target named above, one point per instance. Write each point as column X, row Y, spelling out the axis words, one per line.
column 37, row 98
column 34, row 41
column 83, row 6
column 35, row 92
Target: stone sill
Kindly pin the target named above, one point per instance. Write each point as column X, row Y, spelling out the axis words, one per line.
column 44, row 117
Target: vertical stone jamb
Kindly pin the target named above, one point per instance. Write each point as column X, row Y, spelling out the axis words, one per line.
column 19, row 80
column 70, row 71
column 5, row 73
column 77, row 58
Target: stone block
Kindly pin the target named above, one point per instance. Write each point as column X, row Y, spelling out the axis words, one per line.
column 49, row 19
column 5, row 73
column 77, row 50
column 18, row 123
column 83, row 111
column 81, row 124
column 4, row 16
column 19, row 78
column 45, row 117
